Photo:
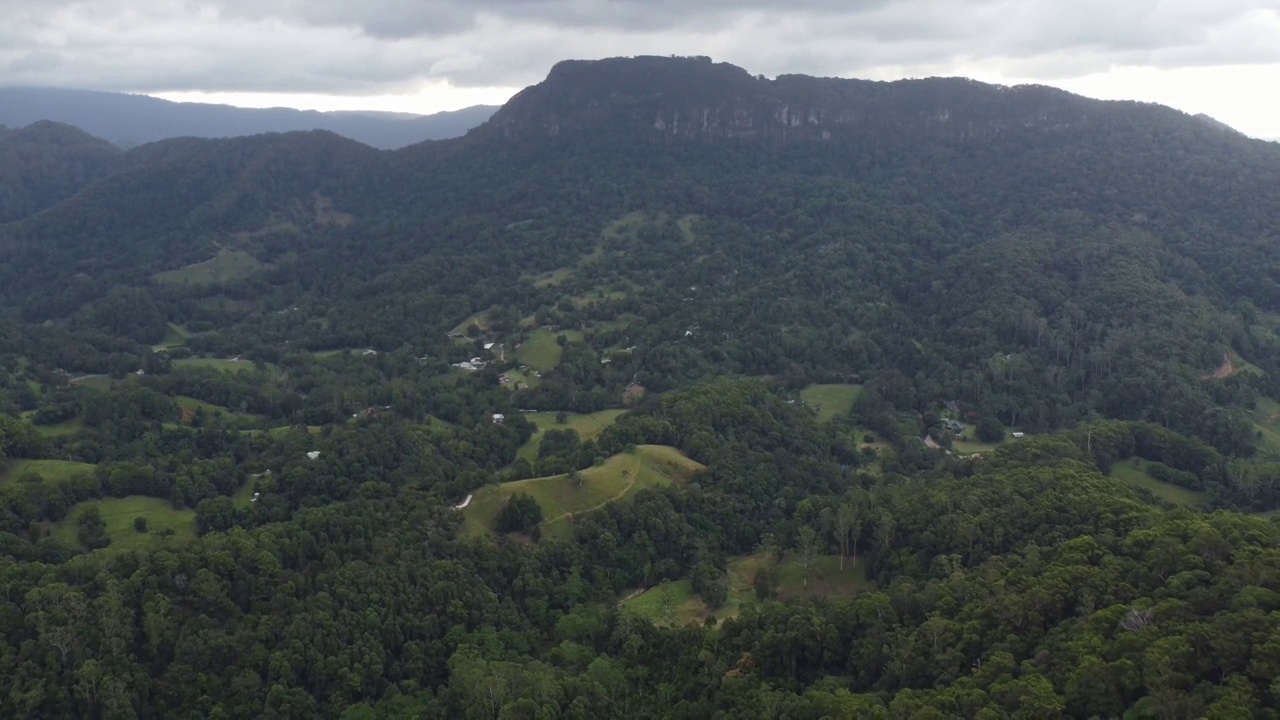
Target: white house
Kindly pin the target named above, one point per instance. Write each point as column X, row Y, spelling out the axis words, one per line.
column 313, row 454
column 1017, row 435
column 499, row 418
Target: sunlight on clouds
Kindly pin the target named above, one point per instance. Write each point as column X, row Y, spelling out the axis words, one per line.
column 1230, row 94
column 428, row 99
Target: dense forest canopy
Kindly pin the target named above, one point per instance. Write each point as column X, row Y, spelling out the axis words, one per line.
column 669, row 392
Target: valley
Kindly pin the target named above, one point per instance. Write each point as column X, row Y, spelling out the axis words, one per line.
column 668, row 387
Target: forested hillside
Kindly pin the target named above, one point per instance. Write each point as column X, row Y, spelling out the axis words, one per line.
column 45, row 163
column 669, row 392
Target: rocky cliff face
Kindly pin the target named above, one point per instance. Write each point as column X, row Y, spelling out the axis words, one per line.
column 664, row 99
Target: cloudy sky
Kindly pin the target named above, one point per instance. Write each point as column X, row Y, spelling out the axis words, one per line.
column 1220, row 57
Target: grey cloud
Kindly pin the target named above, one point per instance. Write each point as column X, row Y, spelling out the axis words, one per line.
column 375, row 46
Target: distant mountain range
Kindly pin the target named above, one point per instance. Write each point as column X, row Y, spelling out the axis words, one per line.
column 130, row 120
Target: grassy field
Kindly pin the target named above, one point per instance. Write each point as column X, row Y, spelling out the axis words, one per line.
column 50, row 470
column 600, row 295
column 1266, row 417
column 283, row 430
column 626, row 225
column 481, row 319
column 243, row 499
column 540, row 350
column 119, row 514
column 968, row 447
column 522, row 378
column 321, row 354
column 70, row 427
column 97, row 382
column 830, row 400
column 589, row 427
column 1133, row 472
column 825, row 578
column 223, row 364
column 175, row 337
column 620, row 476
column 674, row 603
column 226, row 266
column 686, row 223
column 554, row 277
column 189, row 405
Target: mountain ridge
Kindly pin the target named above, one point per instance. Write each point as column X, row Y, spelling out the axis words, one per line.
column 694, row 97
column 1138, row 202
column 46, row 162
column 129, row 120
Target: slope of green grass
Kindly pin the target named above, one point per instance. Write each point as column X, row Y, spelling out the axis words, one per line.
column 588, row 427
column 481, row 320
column 243, row 499
column 668, row 603
column 826, row 577
column 830, row 400
column 97, row 382
column 674, row 603
column 175, row 337
column 70, row 427
column 560, row 498
column 685, row 224
column 973, row 445
column 1133, row 472
column 223, row 364
column 226, row 266
column 189, row 405
column 1266, row 417
column 626, row 225
column 119, row 513
column 50, row 470
column 598, row 295
column 541, row 351
column 282, row 430
column 553, row 277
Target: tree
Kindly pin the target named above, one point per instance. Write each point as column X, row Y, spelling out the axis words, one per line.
column 58, row 612
column 989, row 429
column 808, row 547
column 215, row 514
column 884, row 531
column 521, row 514
column 765, row 582
column 711, row 583
column 846, row 518
column 91, row 529
column 140, row 524
column 769, row 547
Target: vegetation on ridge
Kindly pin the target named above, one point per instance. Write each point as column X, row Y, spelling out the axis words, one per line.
column 968, row 408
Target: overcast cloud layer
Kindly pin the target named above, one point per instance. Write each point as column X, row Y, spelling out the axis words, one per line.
column 380, row 47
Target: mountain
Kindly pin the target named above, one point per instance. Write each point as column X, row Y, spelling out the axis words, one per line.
column 927, row 227
column 669, row 391
column 46, row 162
column 129, row 120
